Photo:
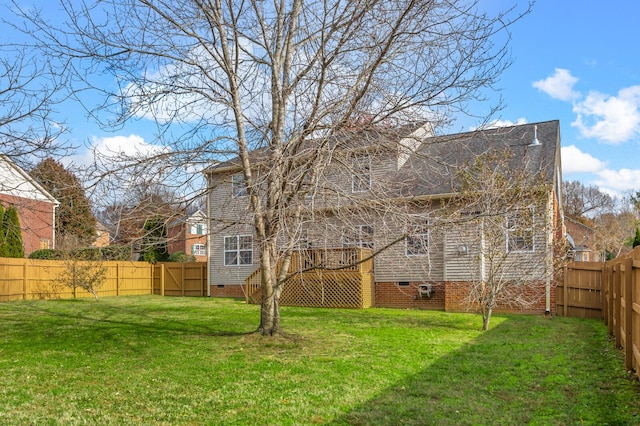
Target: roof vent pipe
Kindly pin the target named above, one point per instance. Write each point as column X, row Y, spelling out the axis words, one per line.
column 535, row 141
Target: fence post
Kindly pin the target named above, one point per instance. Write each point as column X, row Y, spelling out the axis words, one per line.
column 162, row 279
column 183, row 279
column 118, row 279
column 565, row 292
column 24, row 280
column 628, row 311
column 616, row 302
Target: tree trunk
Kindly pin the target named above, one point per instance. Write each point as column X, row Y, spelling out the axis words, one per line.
column 486, row 317
column 269, row 307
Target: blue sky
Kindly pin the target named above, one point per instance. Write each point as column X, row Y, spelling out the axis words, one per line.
column 577, row 62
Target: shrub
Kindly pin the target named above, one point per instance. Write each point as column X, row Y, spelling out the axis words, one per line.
column 117, row 252
column 47, row 254
column 181, row 256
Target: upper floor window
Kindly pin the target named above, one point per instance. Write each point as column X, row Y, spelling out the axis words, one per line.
column 361, row 173
column 238, row 250
column 361, row 236
column 520, row 230
column 417, row 242
column 238, row 187
column 198, row 229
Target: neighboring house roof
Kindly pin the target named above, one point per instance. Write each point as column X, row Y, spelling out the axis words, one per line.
column 16, row 182
column 580, row 234
column 197, row 217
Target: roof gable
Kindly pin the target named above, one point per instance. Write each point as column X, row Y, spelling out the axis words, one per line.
column 16, row 182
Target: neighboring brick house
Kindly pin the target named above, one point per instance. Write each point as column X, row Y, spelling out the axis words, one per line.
column 35, row 206
column 582, row 240
column 189, row 235
column 420, row 170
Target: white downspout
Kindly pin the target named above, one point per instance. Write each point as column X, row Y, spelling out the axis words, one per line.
column 550, row 249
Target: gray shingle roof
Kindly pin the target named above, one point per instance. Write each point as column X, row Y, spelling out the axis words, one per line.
column 431, row 169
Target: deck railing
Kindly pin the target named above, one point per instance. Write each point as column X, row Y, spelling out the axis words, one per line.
column 341, row 277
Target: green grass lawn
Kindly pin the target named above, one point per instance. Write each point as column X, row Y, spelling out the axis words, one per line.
column 149, row 359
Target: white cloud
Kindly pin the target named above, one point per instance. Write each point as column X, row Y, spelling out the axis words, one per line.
column 612, row 119
column 112, row 149
column 618, row 181
column 576, row 161
column 559, row 85
column 501, row 123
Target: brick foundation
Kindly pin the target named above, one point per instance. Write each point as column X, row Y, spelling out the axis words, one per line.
column 453, row 297
column 394, row 295
column 233, row 290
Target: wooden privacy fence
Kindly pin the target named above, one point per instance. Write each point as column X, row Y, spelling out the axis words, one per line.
column 336, row 278
column 580, row 294
column 23, row 279
column 610, row 291
column 180, row 279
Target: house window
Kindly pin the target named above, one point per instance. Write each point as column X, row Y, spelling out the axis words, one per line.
column 199, row 250
column 361, row 237
column 238, row 187
column 361, row 177
column 238, row 250
column 198, row 229
column 417, row 242
column 520, row 230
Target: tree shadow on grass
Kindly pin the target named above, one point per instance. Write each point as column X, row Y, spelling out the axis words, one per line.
column 513, row 374
column 100, row 321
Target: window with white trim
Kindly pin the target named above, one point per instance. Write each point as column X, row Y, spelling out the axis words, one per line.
column 238, row 250
column 199, row 250
column 417, row 242
column 238, row 186
column 361, row 236
column 198, row 229
column 361, row 173
column 520, row 230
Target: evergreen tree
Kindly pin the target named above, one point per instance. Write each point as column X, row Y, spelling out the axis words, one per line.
column 75, row 224
column 12, row 234
column 154, row 240
column 636, row 240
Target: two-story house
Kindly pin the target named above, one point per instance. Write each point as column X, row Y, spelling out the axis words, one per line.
column 384, row 189
column 35, row 206
column 189, row 235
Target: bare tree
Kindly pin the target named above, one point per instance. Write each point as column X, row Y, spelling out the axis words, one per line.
column 505, row 220
column 258, row 80
column 30, row 87
column 581, row 201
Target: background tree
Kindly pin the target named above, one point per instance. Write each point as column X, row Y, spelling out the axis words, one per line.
column 636, row 239
column 504, row 213
column 31, row 85
column 583, row 203
column 75, row 224
column 154, row 241
column 127, row 215
column 225, row 78
column 14, row 246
